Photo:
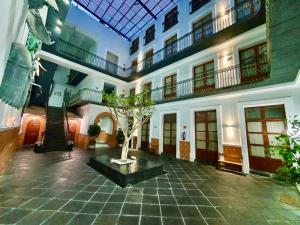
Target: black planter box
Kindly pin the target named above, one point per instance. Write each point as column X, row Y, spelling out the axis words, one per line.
column 126, row 175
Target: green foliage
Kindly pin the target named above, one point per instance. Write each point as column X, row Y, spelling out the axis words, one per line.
column 94, row 130
column 120, row 137
column 289, row 150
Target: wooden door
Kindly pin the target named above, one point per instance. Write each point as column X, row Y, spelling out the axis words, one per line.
column 169, row 135
column 72, row 129
column 202, row 28
column 145, row 136
column 112, row 63
column 32, row 132
column 263, row 124
column 170, row 46
column 149, row 59
column 170, row 87
column 206, row 136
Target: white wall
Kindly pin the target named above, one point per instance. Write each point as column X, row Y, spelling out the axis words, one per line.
column 230, row 114
column 13, row 14
column 107, row 39
column 106, row 125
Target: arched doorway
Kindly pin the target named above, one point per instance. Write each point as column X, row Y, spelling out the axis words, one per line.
column 32, row 132
column 108, row 124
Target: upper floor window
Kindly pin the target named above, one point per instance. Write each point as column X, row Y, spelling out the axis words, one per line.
column 203, row 28
column 171, row 19
column 171, row 46
column 149, row 59
column 134, row 65
column 204, row 78
column 254, row 63
column 150, row 34
column 245, row 8
column 197, row 4
column 170, row 87
column 134, row 46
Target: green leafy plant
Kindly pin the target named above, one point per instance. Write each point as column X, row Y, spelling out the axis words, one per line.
column 120, row 137
column 289, row 150
column 94, row 130
column 139, row 107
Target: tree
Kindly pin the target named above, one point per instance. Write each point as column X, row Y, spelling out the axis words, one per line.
column 138, row 106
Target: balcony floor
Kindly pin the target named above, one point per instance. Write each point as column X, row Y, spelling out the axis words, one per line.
column 46, row 189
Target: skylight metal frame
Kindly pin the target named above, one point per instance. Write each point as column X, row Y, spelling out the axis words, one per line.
column 126, row 17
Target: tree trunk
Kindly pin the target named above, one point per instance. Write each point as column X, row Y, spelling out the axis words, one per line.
column 125, row 150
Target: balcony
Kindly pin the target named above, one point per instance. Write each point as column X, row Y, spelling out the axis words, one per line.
column 213, row 82
column 237, row 20
column 82, row 97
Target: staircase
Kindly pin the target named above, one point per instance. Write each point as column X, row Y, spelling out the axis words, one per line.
column 55, row 136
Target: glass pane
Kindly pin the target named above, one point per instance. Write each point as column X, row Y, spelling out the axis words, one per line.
column 212, row 136
column 173, row 142
column 253, row 113
column 167, row 126
column 276, row 127
column 167, row 141
column 201, row 135
column 254, row 126
column 213, row 146
column 167, row 133
column 201, row 144
column 200, row 127
column 275, row 112
column 144, row 138
column 174, row 127
column 257, row 151
column 273, row 141
column 212, row 116
column 212, row 126
column 256, row 139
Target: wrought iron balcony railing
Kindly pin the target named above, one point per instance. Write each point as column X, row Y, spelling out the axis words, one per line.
column 240, row 12
column 212, row 81
column 89, row 58
column 256, row 70
column 83, row 96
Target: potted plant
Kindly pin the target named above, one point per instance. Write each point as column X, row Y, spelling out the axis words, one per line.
column 289, row 150
column 93, row 132
column 120, row 137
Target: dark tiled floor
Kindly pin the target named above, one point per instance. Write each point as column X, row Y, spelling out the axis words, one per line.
column 49, row 189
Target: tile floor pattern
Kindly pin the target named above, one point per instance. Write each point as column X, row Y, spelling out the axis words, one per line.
column 45, row 189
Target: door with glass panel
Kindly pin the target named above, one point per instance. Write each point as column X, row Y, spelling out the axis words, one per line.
column 112, row 61
column 253, row 62
column 204, row 78
column 263, row 124
column 145, row 136
column 206, row 136
column 202, row 28
column 170, row 46
column 169, row 134
column 170, row 87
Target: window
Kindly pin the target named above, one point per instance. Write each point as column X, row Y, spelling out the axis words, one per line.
column 253, row 63
column 134, row 46
column 149, row 59
column 150, row 34
column 203, row 28
column 197, row 4
column 204, row 77
column 245, row 8
column 170, row 46
column 134, row 65
column 171, row 19
column 148, row 87
column 170, row 87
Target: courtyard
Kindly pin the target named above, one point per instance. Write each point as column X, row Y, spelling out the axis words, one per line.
column 52, row 189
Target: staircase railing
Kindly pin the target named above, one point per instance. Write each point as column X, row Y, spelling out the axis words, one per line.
column 66, row 121
column 84, row 95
